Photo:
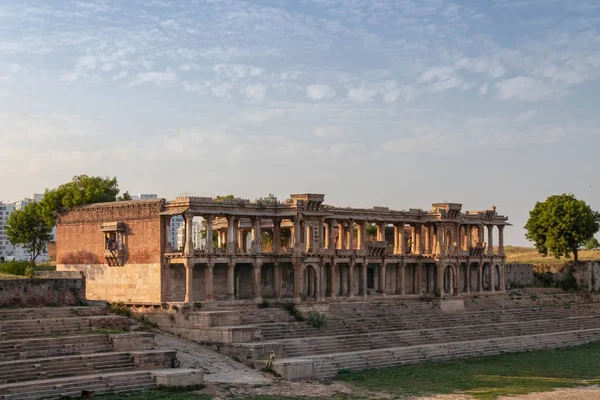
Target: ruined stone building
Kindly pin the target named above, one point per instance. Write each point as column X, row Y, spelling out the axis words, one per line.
column 300, row 249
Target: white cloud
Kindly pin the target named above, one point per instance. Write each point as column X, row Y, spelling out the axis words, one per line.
column 329, row 132
column 476, row 122
column 483, row 89
column 156, row 77
column 255, row 92
column 362, row 94
column 526, row 89
column 525, row 116
column 319, row 92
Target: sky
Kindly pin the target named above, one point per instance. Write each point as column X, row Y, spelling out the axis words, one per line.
column 399, row 103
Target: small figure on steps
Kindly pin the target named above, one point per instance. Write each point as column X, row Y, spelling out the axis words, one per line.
column 270, row 360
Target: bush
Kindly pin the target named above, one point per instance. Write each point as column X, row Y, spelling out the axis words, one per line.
column 294, row 312
column 120, row 309
column 317, row 320
column 14, row 267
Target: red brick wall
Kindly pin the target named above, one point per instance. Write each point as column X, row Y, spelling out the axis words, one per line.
column 79, row 239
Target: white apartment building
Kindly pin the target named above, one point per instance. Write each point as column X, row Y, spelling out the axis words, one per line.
column 7, row 250
column 197, row 239
column 144, row 196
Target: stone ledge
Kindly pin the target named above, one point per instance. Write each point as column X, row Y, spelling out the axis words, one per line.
column 178, row 377
column 294, row 369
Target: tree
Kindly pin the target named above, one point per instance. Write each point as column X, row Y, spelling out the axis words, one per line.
column 561, row 225
column 124, row 197
column 81, row 190
column 591, row 244
column 27, row 227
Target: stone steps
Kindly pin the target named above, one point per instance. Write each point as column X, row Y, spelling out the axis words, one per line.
column 100, row 383
column 325, row 366
column 336, row 344
column 52, row 347
column 22, row 329
column 50, row 312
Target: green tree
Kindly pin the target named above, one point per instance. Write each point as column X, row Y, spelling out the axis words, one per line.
column 81, row 190
column 561, row 225
column 124, row 197
column 28, row 228
column 591, row 244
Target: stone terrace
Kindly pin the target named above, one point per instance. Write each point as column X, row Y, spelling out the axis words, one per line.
column 46, row 353
column 390, row 332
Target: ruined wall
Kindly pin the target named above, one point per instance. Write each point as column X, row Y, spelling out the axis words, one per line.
column 80, row 247
column 587, row 275
column 518, row 275
column 40, row 292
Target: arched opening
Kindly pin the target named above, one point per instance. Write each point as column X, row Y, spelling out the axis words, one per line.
column 485, row 277
column 449, row 280
column 497, row 277
column 311, row 282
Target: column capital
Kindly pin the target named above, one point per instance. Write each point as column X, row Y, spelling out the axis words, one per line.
column 210, row 263
column 257, row 263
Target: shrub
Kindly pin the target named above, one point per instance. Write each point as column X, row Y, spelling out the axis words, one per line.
column 120, row 309
column 317, row 320
column 294, row 312
column 15, row 267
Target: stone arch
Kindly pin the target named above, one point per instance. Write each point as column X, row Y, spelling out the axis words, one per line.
column 310, row 281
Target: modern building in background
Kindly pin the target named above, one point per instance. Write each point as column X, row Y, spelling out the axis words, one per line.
column 7, row 250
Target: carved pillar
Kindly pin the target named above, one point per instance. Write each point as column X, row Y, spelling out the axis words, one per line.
column 492, row 270
column 230, row 280
column 297, row 281
column 418, row 236
column 427, row 238
column 276, row 235
column 277, row 281
column 322, row 235
column 256, row 279
column 188, row 249
column 326, row 235
column 362, row 234
column 381, row 231
column 351, row 279
column 468, row 277
column 343, row 280
column 350, row 244
column 341, row 236
column 297, row 234
column 440, row 241
column 396, row 237
column 400, row 280
column 480, row 277
column 501, row 240
column 189, row 280
column 382, row 278
column 501, row 277
column 256, row 236
column 481, row 234
column 440, row 278
column 401, row 247
column 333, row 288
column 420, row 278
column 208, row 279
column 242, row 241
column 231, row 234
column 490, row 248
column 209, row 234
column 332, row 224
column 363, row 279
column 469, row 237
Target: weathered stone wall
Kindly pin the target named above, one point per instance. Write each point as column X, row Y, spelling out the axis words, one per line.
column 39, row 292
column 587, row 275
column 518, row 275
column 80, row 247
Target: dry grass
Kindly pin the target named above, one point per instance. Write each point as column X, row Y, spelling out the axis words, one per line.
column 528, row 255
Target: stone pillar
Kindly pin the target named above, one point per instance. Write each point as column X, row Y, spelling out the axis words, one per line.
column 420, row 278
column 297, row 235
column 418, row 236
column 382, row 278
column 350, row 244
column 276, row 235
column 501, row 240
column 230, row 280
column 297, row 281
column 381, row 231
column 256, row 280
column 332, row 224
column 333, row 289
column 189, row 280
column 209, row 234
column 208, row 279
column 440, row 278
column 344, row 280
column 501, row 277
column 440, row 241
column 231, row 234
column 341, row 236
column 277, row 281
column 480, row 277
column 400, row 286
column 362, row 235
column 168, row 244
column 492, row 270
column 326, row 236
column 469, row 237
column 481, row 234
column 363, row 279
column 396, row 237
column 350, row 292
column 241, row 238
column 490, row 247
column 256, row 236
column 401, row 248
column 413, row 238
column 427, row 237
column 468, row 277
column 188, row 249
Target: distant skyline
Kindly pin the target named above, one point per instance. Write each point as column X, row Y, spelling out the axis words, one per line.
column 372, row 102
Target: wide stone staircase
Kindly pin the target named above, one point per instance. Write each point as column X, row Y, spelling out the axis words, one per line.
column 381, row 333
column 54, row 352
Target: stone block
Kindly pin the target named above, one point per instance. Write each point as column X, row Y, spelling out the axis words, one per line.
column 132, row 341
column 178, row 377
column 215, row 318
column 450, row 305
column 295, row 369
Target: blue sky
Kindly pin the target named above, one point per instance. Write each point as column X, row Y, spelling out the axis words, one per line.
column 372, row 102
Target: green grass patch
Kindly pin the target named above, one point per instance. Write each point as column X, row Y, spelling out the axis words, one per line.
column 487, row 377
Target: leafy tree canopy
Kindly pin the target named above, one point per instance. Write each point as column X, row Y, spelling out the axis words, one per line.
column 561, row 225
column 591, row 244
column 27, row 227
column 81, row 190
